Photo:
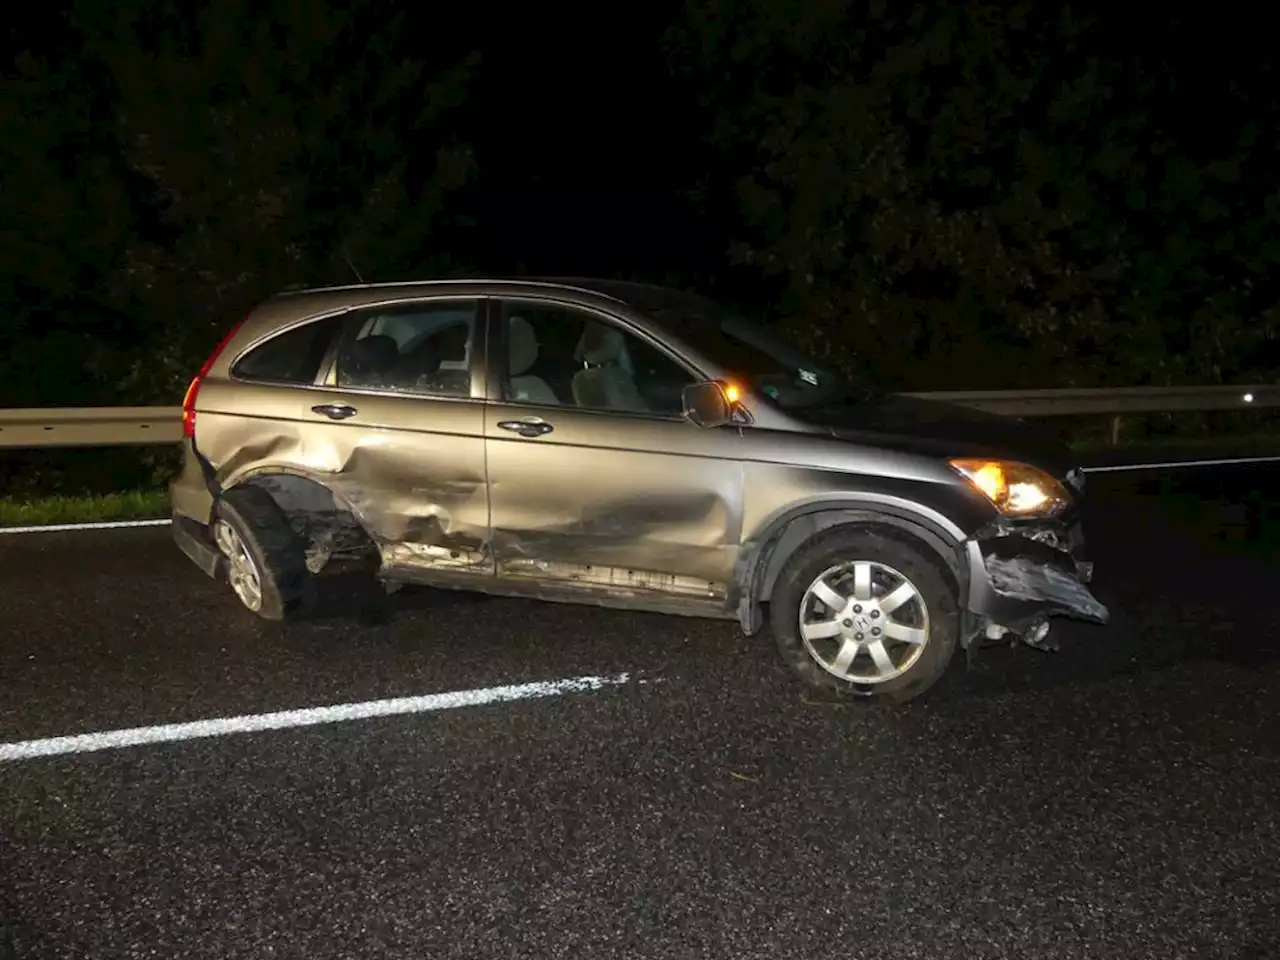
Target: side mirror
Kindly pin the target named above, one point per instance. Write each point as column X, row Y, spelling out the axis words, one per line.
column 707, row 405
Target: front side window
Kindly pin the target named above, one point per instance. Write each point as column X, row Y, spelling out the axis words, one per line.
column 291, row 357
column 420, row 349
column 562, row 356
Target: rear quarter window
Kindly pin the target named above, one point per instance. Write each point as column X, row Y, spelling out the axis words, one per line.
column 290, row 357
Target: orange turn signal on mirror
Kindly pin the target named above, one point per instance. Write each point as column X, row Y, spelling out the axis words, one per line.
column 732, row 393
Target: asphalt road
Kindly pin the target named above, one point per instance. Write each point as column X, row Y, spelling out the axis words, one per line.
column 1118, row 799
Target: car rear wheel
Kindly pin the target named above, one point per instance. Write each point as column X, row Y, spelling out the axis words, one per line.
column 861, row 612
column 265, row 560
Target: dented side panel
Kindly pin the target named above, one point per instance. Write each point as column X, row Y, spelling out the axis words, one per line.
column 411, row 469
column 630, row 503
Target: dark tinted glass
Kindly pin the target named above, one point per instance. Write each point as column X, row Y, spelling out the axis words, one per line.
column 292, row 357
column 422, row 348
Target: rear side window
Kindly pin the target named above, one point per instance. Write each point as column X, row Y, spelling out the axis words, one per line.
column 422, row 348
column 291, row 357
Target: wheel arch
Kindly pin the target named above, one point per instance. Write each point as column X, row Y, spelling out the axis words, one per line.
column 314, row 508
column 767, row 553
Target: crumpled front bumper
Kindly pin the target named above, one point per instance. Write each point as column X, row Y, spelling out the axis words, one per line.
column 1017, row 578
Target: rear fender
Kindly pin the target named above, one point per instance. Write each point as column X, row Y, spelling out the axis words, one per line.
column 318, row 513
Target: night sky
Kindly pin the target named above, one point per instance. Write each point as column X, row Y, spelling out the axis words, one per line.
column 1003, row 196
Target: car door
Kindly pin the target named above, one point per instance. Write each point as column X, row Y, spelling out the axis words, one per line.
column 395, row 426
column 595, row 475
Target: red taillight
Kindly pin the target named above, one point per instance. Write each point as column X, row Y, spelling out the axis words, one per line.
column 189, row 399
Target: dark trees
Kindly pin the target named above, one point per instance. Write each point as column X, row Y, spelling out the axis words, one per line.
column 168, row 169
column 991, row 194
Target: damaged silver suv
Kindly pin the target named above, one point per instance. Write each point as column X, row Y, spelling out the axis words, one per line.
column 622, row 445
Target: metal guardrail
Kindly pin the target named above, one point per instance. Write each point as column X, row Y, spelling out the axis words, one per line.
column 89, row 426
column 1114, row 401
column 138, row 426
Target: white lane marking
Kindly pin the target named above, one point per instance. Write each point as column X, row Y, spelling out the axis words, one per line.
column 339, row 713
column 98, row 525
column 1174, row 464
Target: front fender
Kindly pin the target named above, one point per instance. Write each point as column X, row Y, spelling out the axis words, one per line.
column 765, row 553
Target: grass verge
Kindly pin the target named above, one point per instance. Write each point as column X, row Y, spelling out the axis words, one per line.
column 38, row 511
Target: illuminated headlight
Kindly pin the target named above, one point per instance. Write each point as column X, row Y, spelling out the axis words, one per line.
column 1015, row 489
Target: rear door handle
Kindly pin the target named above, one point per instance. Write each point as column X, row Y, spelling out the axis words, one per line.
column 335, row 411
column 527, row 428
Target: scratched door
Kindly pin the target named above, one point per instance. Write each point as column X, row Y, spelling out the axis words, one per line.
column 594, row 473
column 396, row 428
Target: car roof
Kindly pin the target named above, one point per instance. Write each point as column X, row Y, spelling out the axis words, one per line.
column 640, row 295
column 394, row 288
column 290, row 306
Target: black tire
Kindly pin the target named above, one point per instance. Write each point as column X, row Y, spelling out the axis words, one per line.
column 287, row 586
column 846, row 544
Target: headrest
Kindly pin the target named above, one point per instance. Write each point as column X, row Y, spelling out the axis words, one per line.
column 453, row 341
column 375, row 353
column 522, row 345
column 599, row 344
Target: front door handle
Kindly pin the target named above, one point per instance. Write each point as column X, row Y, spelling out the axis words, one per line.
column 335, row 411
column 527, row 428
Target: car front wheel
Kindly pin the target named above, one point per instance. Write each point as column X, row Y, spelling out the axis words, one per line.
column 862, row 612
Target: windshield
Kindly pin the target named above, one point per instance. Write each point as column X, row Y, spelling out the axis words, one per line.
column 755, row 355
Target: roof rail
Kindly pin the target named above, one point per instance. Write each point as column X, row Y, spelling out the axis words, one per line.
column 302, row 289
